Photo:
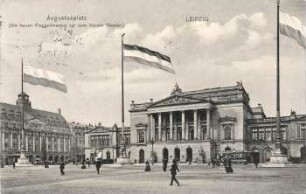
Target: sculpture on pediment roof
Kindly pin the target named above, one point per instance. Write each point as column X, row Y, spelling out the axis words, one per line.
column 176, row 90
column 239, row 83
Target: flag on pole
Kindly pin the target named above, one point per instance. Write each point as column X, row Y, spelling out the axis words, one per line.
column 147, row 57
column 293, row 28
column 45, row 78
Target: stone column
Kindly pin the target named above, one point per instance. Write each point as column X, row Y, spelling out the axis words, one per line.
column 209, row 134
column 3, row 134
column 11, row 142
column 69, row 139
column 27, row 141
column 19, row 142
column 59, row 149
column 148, row 131
column 183, row 124
column 159, row 126
column 47, row 140
column 171, row 126
column 33, row 143
column 64, row 144
column 195, row 123
column 175, row 128
column 52, row 143
column 151, row 126
column 40, row 142
column 187, row 128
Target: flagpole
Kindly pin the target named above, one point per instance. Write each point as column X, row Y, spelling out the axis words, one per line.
column 22, row 108
column 122, row 97
column 22, row 160
column 278, row 139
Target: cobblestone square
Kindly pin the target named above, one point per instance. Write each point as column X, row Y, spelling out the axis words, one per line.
column 133, row 179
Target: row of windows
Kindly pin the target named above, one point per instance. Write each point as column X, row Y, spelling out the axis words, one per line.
column 177, row 135
column 267, row 134
column 100, row 141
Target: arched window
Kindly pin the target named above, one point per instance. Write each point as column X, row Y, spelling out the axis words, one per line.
column 227, row 133
column 108, row 155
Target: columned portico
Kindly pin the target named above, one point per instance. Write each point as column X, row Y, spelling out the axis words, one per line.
column 189, row 124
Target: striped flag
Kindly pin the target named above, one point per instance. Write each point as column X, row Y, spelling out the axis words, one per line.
column 147, row 57
column 45, row 78
column 293, row 28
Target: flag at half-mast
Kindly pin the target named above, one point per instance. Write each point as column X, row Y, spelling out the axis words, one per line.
column 147, row 57
column 293, row 28
column 45, row 78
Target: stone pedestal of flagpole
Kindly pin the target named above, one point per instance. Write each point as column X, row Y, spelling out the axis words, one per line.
column 122, row 159
column 278, row 159
column 23, row 160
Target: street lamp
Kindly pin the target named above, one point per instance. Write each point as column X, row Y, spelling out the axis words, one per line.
column 152, row 155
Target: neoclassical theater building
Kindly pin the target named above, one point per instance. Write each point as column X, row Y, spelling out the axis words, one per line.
column 195, row 126
column 47, row 134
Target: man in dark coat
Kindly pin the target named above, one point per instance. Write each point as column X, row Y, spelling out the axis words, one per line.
column 14, row 164
column 165, row 163
column 147, row 168
column 173, row 170
column 62, row 167
column 98, row 166
column 228, row 164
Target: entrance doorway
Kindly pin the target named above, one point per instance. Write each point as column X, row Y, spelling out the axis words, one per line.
column 165, row 154
column 141, row 156
column 303, row 154
column 189, row 155
column 108, row 155
column 177, row 154
column 268, row 154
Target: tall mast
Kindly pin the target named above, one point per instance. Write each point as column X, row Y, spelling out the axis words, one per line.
column 278, row 140
column 22, row 110
column 122, row 90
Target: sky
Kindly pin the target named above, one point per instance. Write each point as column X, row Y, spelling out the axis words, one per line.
column 237, row 43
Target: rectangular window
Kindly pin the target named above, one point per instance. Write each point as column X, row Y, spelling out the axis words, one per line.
column 261, row 134
column 268, row 134
column 303, row 131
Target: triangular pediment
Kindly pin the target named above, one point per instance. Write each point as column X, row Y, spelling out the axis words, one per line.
column 176, row 100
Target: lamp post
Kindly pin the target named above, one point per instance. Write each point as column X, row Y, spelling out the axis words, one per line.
column 152, row 155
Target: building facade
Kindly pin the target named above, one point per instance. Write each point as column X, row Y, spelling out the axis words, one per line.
column 199, row 125
column 78, row 140
column 104, row 142
column 47, row 134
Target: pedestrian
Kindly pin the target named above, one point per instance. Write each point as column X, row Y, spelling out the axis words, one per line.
column 213, row 162
column 62, row 167
column 13, row 164
column 165, row 163
column 88, row 163
column 228, row 164
column 256, row 161
column 147, row 168
column 173, row 170
column 98, row 166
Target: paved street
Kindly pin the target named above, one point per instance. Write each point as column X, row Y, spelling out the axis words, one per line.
column 193, row 179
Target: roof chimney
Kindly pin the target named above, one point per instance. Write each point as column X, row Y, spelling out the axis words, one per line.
column 59, row 111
